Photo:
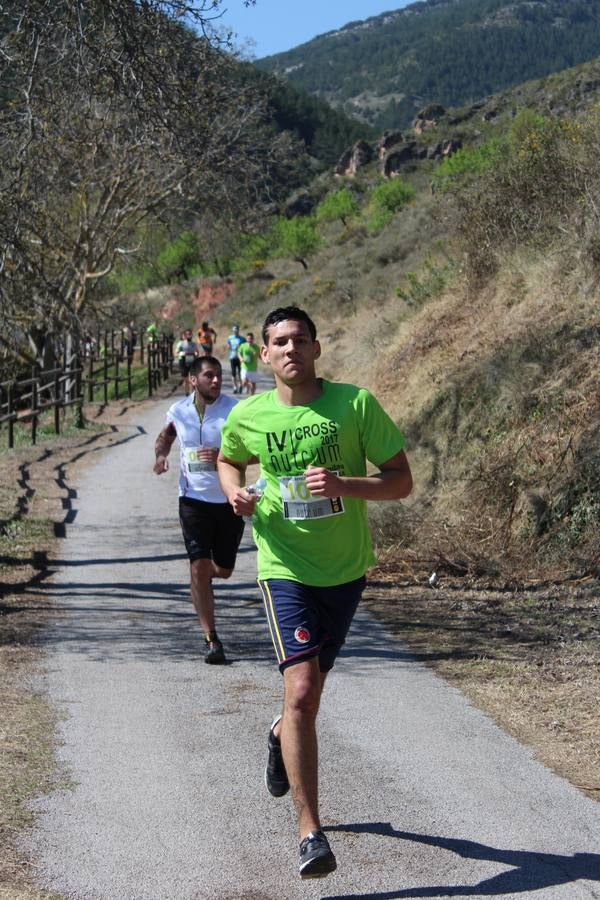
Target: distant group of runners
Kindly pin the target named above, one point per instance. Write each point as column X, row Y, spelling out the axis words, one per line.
column 312, row 439
column 243, row 353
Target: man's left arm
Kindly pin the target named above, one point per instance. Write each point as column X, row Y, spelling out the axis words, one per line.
column 392, row 482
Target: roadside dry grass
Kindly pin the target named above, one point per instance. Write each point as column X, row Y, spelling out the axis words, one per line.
column 528, row 658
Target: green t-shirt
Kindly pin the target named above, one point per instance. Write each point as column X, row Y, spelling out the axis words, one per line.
column 315, row 540
column 249, row 354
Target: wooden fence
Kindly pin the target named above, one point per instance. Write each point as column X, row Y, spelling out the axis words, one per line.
column 99, row 365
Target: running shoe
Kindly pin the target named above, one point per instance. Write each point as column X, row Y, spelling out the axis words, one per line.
column 316, row 858
column 214, row 650
column 275, row 775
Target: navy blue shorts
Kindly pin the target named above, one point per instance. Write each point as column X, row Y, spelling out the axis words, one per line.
column 307, row 621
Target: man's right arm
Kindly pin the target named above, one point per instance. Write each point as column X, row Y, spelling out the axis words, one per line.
column 232, row 476
column 162, row 448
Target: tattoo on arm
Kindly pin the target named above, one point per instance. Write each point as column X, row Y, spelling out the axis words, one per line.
column 164, row 441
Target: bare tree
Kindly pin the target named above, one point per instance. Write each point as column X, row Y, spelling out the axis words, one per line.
column 112, row 112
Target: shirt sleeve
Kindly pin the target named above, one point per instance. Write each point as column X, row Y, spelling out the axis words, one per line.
column 381, row 437
column 232, row 442
column 170, row 421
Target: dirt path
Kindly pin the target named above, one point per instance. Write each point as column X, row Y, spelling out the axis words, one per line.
column 423, row 795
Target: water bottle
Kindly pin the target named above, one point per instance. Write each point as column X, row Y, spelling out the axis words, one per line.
column 257, row 490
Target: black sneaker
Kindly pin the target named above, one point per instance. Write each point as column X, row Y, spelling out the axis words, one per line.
column 215, row 654
column 316, row 858
column 275, row 775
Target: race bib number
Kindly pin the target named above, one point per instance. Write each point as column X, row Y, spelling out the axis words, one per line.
column 299, row 503
column 189, row 359
column 194, row 464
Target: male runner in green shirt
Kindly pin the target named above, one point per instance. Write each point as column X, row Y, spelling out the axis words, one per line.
column 249, row 354
column 312, row 438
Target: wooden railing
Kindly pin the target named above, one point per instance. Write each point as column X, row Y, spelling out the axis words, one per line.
column 96, row 368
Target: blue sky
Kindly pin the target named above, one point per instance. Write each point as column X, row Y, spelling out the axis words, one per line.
column 276, row 25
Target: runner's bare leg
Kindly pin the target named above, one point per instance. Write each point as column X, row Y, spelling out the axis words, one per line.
column 303, row 684
column 202, row 571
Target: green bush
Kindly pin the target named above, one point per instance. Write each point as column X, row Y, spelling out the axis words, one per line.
column 339, row 205
column 547, row 177
column 296, row 237
column 132, row 278
column 179, row 259
column 254, row 249
column 469, row 162
column 430, row 282
column 386, row 199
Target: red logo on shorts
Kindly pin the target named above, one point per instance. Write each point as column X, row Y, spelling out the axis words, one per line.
column 302, row 635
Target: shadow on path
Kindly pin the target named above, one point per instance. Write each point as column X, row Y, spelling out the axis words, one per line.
column 530, row 870
column 152, row 620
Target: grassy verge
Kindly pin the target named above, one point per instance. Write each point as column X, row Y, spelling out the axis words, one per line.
column 531, row 659
column 27, row 763
column 139, row 383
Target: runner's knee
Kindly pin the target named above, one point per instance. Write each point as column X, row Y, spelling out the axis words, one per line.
column 201, row 568
column 302, row 689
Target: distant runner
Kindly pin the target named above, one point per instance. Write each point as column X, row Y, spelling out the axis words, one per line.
column 249, row 353
column 206, row 338
column 312, row 438
column 186, row 351
column 233, row 342
column 211, row 530
column 152, row 333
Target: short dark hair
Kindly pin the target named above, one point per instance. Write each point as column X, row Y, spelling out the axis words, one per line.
column 202, row 361
column 282, row 314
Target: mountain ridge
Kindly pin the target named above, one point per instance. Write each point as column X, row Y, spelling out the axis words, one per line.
column 383, row 69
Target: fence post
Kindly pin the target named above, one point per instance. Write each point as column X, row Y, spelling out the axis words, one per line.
column 56, row 403
column 129, row 391
column 11, row 422
column 150, row 385
column 79, row 419
column 141, row 348
column 105, row 369
column 164, row 358
column 34, row 402
column 116, row 376
column 90, row 387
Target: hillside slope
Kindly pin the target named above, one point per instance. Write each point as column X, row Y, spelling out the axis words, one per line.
column 384, row 69
column 474, row 314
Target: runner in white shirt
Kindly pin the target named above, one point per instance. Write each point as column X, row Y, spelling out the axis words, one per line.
column 211, row 530
column 186, row 351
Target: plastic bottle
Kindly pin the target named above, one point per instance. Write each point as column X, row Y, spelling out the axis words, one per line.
column 257, row 490
column 258, row 487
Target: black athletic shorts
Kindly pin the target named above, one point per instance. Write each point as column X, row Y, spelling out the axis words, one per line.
column 307, row 621
column 210, row 531
column 184, row 368
column 235, row 366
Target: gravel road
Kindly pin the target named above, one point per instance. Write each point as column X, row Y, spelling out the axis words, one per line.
column 422, row 795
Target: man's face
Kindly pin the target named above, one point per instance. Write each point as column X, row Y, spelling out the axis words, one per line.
column 207, row 382
column 250, row 338
column 291, row 352
column 187, row 335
